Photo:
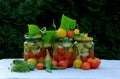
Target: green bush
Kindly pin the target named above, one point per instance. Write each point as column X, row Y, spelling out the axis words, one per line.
column 99, row 18
column 11, row 43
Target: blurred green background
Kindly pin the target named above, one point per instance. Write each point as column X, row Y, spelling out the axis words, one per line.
column 99, row 18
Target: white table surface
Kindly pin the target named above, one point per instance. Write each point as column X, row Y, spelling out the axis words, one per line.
column 109, row 69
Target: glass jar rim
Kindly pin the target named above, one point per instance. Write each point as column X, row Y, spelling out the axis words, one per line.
column 84, row 39
column 31, row 37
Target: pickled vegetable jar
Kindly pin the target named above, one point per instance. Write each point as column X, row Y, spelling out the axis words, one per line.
column 34, row 48
column 84, row 48
column 63, row 50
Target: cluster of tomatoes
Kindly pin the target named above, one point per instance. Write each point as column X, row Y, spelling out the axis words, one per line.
column 58, row 65
column 91, row 63
column 88, row 62
column 63, row 55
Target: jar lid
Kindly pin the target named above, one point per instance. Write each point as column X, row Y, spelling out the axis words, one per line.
column 31, row 37
column 83, row 39
column 64, row 39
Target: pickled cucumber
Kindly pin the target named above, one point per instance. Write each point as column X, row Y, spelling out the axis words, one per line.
column 88, row 45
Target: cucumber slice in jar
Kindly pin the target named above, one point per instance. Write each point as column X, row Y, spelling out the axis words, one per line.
column 67, row 44
column 35, row 49
column 85, row 50
column 27, row 47
column 85, row 54
column 88, row 44
column 79, row 46
column 40, row 44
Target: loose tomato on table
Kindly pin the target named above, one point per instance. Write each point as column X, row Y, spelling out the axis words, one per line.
column 94, row 62
column 54, row 63
column 77, row 63
column 63, row 64
column 32, row 61
column 40, row 66
column 85, row 66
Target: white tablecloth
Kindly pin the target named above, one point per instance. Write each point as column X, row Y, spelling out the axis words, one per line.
column 109, row 69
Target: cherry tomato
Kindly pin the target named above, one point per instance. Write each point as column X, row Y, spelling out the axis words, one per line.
column 70, row 34
column 54, row 63
column 40, row 66
column 63, row 64
column 94, row 62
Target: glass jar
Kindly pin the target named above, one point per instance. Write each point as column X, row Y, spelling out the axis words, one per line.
column 63, row 50
column 84, row 48
column 34, row 48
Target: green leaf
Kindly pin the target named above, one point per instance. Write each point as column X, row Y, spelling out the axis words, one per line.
column 67, row 23
column 33, row 29
column 49, row 37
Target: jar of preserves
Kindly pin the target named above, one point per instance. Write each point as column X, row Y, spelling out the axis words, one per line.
column 84, row 48
column 34, row 48
column 63, row 50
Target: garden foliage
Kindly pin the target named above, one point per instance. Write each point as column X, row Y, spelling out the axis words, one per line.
column 99, row 18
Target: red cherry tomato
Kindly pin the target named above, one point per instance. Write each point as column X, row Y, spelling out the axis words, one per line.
column 63, row 64
column 54, row 63
column 94, row 62
column 40, row 66
column 61, row 51
column 91, row 54
column 70, row 34
column 85, row 66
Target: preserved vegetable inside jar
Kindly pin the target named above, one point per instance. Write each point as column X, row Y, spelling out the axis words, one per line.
column 33, row 48
column 63, row 50
column 84, row 48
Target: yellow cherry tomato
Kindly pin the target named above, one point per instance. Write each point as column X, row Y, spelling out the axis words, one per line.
column 76, row 31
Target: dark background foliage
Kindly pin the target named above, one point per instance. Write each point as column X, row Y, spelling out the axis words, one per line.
column 99, row 18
